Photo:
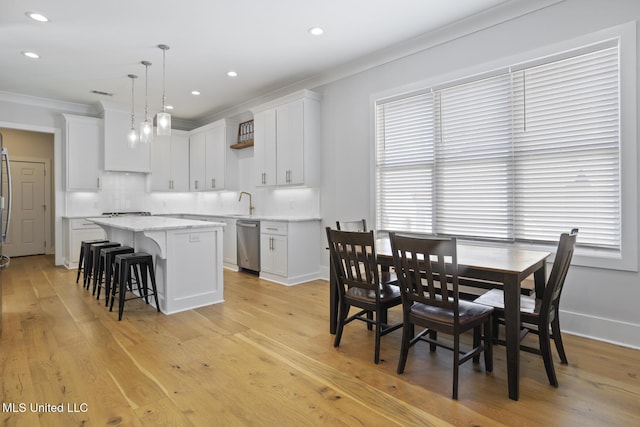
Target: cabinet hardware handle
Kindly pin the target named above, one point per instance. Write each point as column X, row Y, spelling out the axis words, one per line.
column 196, row 184
column 213, row 183
column 98, row 182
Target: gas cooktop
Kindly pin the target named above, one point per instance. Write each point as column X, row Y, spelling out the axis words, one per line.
column 126, row 213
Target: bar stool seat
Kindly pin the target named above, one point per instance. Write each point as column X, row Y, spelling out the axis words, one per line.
column 141, row 264
column 94, row 259
column 105, row 270
column 84, row 249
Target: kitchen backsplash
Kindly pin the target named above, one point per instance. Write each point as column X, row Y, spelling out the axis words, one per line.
column 128, row 192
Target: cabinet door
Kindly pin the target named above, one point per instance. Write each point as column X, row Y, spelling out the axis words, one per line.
column 83, row 146
column 215, row 159
column 161, row 164
column 273, row 254
column 265, row 147
column 290, row 141
column 197, row 162
column 117, row 154
column 180, row 162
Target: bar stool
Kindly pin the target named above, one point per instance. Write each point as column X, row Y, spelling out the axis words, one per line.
column 84, row 247
column 105, row 269
column 141, row 264
column 94, row 258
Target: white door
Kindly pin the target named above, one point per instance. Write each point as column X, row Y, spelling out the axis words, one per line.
column 27, row 230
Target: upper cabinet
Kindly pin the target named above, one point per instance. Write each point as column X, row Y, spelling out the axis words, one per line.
column 211, row 164
column 83, row 147
column 118, row 156
column 170, row 162
column 286, row 140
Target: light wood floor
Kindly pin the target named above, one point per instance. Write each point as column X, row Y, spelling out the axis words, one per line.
column 265, row 358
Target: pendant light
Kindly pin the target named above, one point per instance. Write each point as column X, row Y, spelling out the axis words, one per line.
column 132, row 135
column 146, row 127
column 163, row 119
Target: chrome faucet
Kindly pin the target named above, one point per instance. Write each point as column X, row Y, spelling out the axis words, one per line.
column 251, row 207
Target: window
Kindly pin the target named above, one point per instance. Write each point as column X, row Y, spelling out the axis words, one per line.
column 519, row 156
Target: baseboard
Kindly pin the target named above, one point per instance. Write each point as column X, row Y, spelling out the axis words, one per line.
column 601, row 329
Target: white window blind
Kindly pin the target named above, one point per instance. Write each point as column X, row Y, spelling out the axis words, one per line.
column 523, row 155
column 404, row 171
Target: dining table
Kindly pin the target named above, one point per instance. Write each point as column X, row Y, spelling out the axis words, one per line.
column 505, row 266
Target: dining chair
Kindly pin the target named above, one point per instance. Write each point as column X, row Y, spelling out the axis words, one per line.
column 359, row 284
column 538, row 313
column 432, row 303
column 357, row 225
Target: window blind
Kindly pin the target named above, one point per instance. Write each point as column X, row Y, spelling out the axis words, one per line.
column 522, row 155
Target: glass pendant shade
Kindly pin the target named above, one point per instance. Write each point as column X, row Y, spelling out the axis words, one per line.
column 132, row 135
column 146, row 127
column 163, row 123
column 132, row 138
column 163, row 119
column 146, row 132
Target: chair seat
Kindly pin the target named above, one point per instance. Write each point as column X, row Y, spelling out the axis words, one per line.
column 469, row 312
column 387, row 292
column 495, row 298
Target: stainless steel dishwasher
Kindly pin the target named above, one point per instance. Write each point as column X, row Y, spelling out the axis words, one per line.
column 248, row 232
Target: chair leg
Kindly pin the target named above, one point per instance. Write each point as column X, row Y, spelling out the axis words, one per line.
column 378, row 326
column 343, row 310
column 456, row 366
column 434, row 336
column 152, row 274
column 477, row 337
column 545, row 350
column 370, row 317
column 407, row 335
column 557, row 338
column 488, row 346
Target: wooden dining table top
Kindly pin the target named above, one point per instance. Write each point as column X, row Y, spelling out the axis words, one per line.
column 499, row 259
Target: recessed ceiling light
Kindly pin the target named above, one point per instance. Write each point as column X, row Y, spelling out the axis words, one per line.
column 37, row 16
column 31, row 55
column 169, row 107
column 195, row 92
column 232, row 74
column 316, row 31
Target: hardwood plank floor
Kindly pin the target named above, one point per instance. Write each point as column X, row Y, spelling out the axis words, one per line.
column 264, row 358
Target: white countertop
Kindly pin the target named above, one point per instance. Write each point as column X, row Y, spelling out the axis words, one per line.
column 147, row 223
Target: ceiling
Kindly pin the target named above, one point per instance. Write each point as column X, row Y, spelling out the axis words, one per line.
column 93, row 45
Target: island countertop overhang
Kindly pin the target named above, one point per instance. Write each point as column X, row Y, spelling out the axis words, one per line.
column 151, row 223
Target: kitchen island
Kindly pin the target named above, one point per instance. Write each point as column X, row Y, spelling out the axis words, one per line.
column 187, row 256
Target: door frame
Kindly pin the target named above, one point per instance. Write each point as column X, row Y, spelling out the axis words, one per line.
column 49, row 216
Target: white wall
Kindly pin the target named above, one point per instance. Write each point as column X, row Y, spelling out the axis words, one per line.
column 599, row 303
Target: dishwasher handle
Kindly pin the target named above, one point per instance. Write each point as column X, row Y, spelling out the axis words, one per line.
column 247, row 224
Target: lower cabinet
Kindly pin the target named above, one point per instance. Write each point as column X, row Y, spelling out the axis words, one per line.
column 289, row 251
column 75, row 231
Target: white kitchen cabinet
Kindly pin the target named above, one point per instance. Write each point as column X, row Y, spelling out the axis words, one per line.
column 170, row 162
column 229, row 242
column 289, row 251
column 83, row 145
column 75, row 231
column 273, row 248
column 118, row 156
column 212, row 166
column 264, row 148
column 286, row 141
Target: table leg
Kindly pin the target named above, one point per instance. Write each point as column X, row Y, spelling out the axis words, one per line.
column 512, row 331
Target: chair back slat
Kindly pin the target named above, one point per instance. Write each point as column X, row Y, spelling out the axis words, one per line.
column 354, row 259
column 553, row 289
column 427, row 270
